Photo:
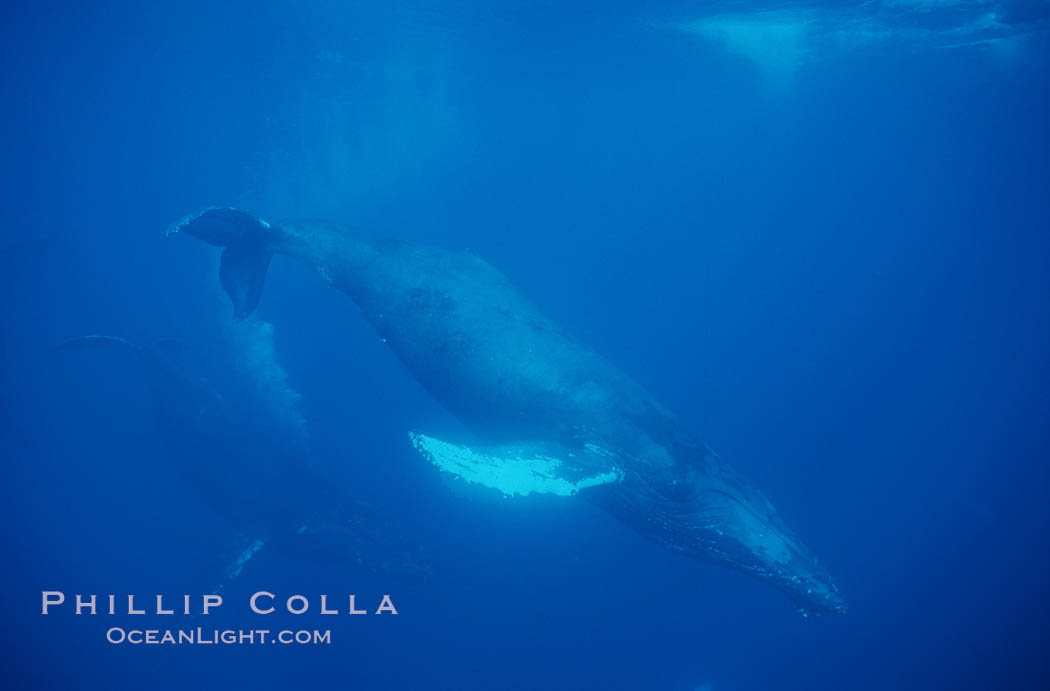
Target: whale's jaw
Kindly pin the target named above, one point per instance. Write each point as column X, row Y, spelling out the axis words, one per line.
column 712, row 514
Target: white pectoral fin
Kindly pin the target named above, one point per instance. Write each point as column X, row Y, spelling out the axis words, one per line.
column 514, row 469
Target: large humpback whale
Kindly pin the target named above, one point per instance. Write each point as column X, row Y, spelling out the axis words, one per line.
column 548, row 412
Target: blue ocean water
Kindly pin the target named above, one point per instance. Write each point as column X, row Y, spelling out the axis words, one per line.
column 816, row 232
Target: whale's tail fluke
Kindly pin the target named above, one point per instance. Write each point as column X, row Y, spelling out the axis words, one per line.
column 247, row 254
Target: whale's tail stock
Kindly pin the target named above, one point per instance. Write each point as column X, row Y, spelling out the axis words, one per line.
column 247, row 252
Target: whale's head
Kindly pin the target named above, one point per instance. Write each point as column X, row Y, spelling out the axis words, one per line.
column 731, row 523
column 706, row 511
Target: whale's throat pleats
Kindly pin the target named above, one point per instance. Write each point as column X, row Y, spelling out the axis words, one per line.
column 521, row 469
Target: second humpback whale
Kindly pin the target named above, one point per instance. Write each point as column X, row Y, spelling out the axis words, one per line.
column 250, row 463
column 550, row 414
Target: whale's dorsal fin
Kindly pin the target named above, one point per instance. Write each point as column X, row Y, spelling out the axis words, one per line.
column 520, row 469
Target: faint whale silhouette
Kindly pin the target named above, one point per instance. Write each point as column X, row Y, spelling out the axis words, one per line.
column 254, row 469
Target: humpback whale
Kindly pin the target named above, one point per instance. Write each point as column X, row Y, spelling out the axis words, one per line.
column 548, row 414
column 252, row 467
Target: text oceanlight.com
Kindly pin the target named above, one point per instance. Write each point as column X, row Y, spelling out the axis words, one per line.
column 201, row 636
